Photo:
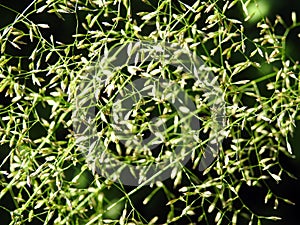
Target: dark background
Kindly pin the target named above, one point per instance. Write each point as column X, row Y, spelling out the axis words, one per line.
column 63, row 31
